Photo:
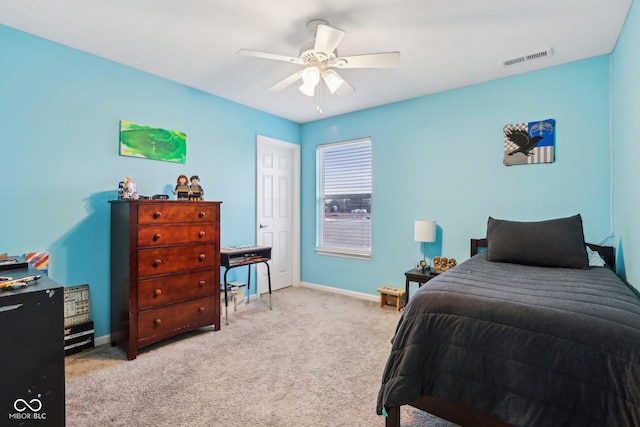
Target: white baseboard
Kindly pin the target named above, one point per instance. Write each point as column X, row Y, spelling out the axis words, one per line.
column 105, row 339
column 331, row 289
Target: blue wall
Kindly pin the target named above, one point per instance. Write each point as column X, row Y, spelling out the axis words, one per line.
column 59, row 116
column 626, row 152
column 440, row 157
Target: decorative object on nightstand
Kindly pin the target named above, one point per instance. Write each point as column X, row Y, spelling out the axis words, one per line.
column 424, row 232
column 443, row 264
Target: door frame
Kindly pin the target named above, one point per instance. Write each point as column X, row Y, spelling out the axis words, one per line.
column 294, row 250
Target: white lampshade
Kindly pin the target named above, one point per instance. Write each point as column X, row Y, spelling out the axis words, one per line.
column 308, row 89
column 310, row 79
column 333, row 80
column 425, row 231
column 311, row 75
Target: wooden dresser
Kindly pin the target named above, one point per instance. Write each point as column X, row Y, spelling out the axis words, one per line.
column 165, row 270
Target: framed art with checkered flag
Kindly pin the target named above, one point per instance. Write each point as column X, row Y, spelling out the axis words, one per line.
column 528, row 143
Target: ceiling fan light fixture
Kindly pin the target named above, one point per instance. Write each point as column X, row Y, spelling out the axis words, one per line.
column 308, row 89
column 333, row 80
column 311, row 75
column 310, row 79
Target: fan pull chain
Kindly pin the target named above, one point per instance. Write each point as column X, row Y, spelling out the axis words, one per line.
column 318, row 107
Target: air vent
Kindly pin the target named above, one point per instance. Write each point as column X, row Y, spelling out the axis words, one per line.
column 530, row 57
column 515, row 60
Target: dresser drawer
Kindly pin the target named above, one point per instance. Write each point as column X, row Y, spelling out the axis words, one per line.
column 169, row 289
column 158, row 324
column 156, row 235
column 163, row 213
column 176, row 259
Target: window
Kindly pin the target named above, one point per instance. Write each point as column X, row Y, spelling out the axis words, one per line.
column 344, row 198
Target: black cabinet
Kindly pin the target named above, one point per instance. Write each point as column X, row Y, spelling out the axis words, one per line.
column 32, row 355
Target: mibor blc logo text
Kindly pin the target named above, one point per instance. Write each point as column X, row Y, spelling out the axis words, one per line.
column 28, row 410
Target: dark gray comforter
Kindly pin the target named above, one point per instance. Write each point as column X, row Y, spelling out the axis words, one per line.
column 535, row 346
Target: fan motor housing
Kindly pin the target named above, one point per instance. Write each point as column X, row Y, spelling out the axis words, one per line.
column 308, row 53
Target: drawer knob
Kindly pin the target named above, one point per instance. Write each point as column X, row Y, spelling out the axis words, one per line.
column 156, row 237
column 201, row 284
column 202, row 234
column 202, row 257
column 157, row 262
column 157, row 292
column 202, row 214
column 201, row 309
column 157, row 321
column 157, row 214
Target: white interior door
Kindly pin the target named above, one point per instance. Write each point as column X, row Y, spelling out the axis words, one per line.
column 278, row 211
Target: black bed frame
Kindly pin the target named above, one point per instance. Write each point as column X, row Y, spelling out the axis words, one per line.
column 460, row 414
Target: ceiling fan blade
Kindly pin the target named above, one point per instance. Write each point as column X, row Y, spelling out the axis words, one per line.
column 255, row 53
column 327, row 39
column 286, row 82
column 372, row 60
column 344, row 89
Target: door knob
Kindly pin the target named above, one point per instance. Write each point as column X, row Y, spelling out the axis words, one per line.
column 263, row 226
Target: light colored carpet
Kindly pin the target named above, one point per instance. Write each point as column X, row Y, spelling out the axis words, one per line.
column 315, row 360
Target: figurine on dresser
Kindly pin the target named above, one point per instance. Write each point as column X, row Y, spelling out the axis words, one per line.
column 182, row 188
column 195, row 191
column 127, row 189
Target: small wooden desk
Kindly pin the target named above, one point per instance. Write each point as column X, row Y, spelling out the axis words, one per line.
column 239, row 256
column 419, row 277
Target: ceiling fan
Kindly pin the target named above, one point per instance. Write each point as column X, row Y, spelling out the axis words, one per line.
column 319, row 58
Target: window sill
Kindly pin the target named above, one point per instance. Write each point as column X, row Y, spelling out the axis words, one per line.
column 344, row 253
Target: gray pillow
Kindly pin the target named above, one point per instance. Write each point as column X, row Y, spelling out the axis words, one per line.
column 552, row 243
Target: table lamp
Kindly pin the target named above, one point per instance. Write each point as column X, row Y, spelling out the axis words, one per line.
column 424, row 232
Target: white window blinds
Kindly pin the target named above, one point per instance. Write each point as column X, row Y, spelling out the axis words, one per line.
column 344, row 177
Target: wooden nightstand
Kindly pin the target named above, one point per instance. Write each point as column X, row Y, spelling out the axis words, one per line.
column 419, row 277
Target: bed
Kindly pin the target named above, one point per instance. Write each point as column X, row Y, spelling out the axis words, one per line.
column 522, row 334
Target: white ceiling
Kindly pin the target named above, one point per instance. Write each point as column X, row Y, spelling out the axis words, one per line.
column 444, row 44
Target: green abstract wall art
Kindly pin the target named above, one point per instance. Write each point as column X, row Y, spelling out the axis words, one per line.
column 146, row 142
